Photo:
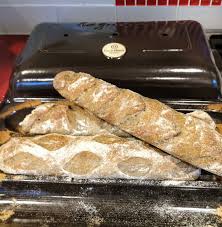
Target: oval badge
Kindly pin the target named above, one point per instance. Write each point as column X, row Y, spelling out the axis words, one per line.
column 114, row 50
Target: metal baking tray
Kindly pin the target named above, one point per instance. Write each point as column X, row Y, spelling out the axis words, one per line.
column 64, row 201
column 50, row 201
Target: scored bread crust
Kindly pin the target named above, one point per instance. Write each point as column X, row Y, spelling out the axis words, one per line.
column 65, row 118
column 185, row 136
column 99, row 156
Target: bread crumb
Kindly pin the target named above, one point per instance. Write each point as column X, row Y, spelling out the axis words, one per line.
column 6, row 214
column 219, row 212
column 14, row 202
column 18, row 177
column 95, row 221
column 215, row 107
column 2, row 176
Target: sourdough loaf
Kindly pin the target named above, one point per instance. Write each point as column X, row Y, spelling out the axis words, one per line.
column 20, row 106
column 65, row 118
column 99, row 156
column 4, row 136
column 190, row 137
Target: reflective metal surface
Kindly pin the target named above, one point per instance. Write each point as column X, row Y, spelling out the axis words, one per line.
column 105, row 202
column 162, row 60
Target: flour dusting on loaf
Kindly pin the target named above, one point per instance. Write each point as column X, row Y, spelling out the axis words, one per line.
column 22, row 156
column 191, row 137
column 65, row 118
column 99, row 156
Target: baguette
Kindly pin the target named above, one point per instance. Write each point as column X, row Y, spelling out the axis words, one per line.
column 4, row 136
column 20, row 106
column 65, row 118
column 188, row 137
column 99, row 156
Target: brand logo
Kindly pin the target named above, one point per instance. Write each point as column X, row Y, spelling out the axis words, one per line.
column 114, row 50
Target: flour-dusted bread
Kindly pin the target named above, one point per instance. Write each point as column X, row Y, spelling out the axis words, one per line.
column 21, row 156
column 17, row 107
column 4, row 136
column 65, row 118
column 190, row 138
column 99, row 156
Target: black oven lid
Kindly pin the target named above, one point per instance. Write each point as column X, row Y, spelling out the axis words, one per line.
column 157, row 59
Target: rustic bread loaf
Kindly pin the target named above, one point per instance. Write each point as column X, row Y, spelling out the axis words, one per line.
column 65, row 118
column 99, row 156
column 188, row 137
column 4, row 136
column 17, row 107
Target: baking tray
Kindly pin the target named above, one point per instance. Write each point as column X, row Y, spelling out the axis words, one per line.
column 64, row 201
column 68, row 202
